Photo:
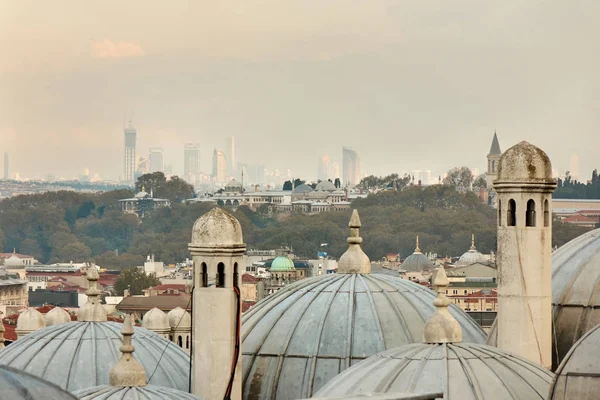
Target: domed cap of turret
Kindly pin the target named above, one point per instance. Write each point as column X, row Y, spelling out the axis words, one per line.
column 156, row 320
column 354, row 260
column 57, row 316
column 30, row 320
column 524, row 162
column 216, row 228
column 179, row 318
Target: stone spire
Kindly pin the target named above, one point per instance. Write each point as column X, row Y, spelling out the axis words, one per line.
column 354, row 260
column 128, row 371
column 442, row 327
column 473, row 248
column 92, row 311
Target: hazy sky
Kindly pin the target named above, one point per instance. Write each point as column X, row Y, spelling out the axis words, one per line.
column 412, row 84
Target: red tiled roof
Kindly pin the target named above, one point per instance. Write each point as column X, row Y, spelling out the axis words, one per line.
column 167, row 286
column 247, row 278
column 246, row 305
column 580, row 218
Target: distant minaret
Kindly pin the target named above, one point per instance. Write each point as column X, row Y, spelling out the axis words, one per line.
column 493, row 157
column 524, row 187
column 217, row 248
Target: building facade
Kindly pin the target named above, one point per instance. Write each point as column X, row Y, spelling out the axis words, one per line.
column 129, row 160
column 351, row 166
column 219, row 170
column 156, row 159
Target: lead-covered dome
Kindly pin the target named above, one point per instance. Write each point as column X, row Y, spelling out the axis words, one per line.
column 326, row 186
column 282, row 264
column 524, row 162
column 149, row 392
column 299, row 338
column 216, row 228
column 471, row 257
column 578, row 376
column 417, row 261
column 301, row 189
column 18, row 385
column 79, row 355
column 459, row 370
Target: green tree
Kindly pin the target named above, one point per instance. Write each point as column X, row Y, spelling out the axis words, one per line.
column 72, row 251
column 459, row 177
column 135, row 280
column 174, row 189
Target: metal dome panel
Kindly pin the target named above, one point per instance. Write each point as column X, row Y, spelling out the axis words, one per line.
column 18, row 385
column 150, row 392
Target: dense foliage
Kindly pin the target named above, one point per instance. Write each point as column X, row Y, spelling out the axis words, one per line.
column 67, row 226
column 135, row 281
column 570, row 189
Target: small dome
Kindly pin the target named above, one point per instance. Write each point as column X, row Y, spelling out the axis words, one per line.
column 30, row 320
column 217, row 227
column 142, row 195
column 149, row 392
column 459, row 370
column 524, row 162
column 417, row 261
column 156, row 320
column 282, row 264
column 326, row 186
column 471, row 257
column 578, row 376
column 304, row 188
column 59, row 353
column 233, row 184
column 13, row 261
column 18, row 385
column 179, row 318
column 57, row 316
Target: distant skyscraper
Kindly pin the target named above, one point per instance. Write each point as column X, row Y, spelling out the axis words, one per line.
column 575, row 167
column 129, row 159
column 323, row 169
column 335, row 171
column 191, row 159
column 230, row 155
column 156, row 160
column 6, row 166
column 351, row 166
column 219, row 171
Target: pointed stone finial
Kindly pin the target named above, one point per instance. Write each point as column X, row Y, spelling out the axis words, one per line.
column 92, row 311
column 354, row 260
column 417, row 249
column 473, row 248
column 442, row 327
column 128, row 371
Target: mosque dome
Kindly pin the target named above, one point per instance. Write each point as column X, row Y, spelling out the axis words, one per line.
column 300, row 337
column 14, row 261
column 524, row 162
column 217, row 227
column 233, row 186
column 471, row 257
column 326, row 186
column 575, row 292
column 417, row 261
column 142, row 194
column 442, row 363
column 18, row 385
column 57, row 316
column 304, row 188
column 156, row 320
column 282, row 264
column 578, row 376
column 179, row 318
column 149, row 392
column 57, row 354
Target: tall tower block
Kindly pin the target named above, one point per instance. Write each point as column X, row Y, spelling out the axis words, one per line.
column 524, row 187
column 492, row 158
column 217, row 248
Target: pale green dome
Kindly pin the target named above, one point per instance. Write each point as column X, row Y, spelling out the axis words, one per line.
column 282, row 264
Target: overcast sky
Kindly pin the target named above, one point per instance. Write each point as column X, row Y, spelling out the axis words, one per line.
column 412, row 84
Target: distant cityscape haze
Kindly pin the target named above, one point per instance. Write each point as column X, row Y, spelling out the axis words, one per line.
column 412, row 85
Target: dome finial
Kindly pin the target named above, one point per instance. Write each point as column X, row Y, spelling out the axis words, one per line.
column 473, row 242
column 354, row 260
column 93, row 311
column 442, row 327
column 128, row 371
column 417, row 249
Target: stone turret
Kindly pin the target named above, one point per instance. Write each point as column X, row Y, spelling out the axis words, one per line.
column 57, row 316
column 180, row 322
column 156, row 320
column 29, row 321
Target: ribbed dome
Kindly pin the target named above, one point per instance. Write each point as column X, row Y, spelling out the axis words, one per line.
column 299, row 338
column 416, row 262
column 282, row 264
column 156, row 320
column 79, row 355
column 57, row 316
column 326, row 186
column 578, row 376
column 304, row 188
column 217, row 227
column 179, row 318
column 471, row 257
column 18, row 385
column 459, row 370
column 233, row 184
column 13, row 261
column 524, row 162
column 150, row 392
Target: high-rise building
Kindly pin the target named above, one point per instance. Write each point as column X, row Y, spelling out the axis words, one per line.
column 335, row 170
column 230, row 155
column 191, row 159
column 351, row 166
column 6, row 166
column 219, row 171
column 323, row 169
column 156, row 159
column 129, row 157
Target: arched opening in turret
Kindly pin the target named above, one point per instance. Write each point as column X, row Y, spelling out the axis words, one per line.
column 204, row 275
column 236, row 277
column 511, row 215
column 499, row 213
column 221, row 275
column 494, row 166
column 187, row 342
column 530, row 213
column 179, row 341
column 546, row 214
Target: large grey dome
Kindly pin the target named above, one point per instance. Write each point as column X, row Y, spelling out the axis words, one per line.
column 304, row 188
column 575, row 292
column 459, row 370
column 299, row 338
column 150, row 392
column 18, row 385
column 326, row 186
column 578, row 376
column 416, row 262
column 471, row 257
column 77, row 355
